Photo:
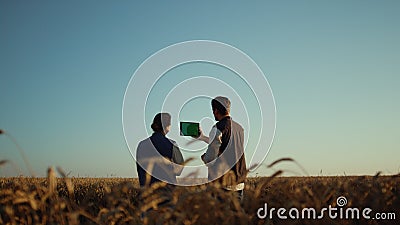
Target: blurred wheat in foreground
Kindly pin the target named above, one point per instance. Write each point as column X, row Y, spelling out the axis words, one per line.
column 66, row 200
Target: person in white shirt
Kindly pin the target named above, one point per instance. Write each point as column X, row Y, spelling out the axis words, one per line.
column 225, row 153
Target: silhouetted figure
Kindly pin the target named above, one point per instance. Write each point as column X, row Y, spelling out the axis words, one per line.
column 225, row 153
column 158, row 158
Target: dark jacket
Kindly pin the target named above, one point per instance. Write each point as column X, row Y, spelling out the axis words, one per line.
column 158, row 158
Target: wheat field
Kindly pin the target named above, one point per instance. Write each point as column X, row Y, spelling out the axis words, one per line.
column 64, row 200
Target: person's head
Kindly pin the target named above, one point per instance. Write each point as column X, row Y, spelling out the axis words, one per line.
column 221, row 107
column 161, row 123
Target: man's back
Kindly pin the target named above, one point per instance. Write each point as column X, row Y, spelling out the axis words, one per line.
column 231, row 159
column 159, row 156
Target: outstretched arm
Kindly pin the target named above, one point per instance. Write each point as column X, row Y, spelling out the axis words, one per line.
column 202, row 137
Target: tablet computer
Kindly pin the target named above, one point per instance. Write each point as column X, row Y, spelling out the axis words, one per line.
column 189, row 129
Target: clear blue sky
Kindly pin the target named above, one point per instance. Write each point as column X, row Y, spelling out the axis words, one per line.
column 333, row 67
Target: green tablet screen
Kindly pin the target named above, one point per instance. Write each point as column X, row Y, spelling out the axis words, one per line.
column 189, row 129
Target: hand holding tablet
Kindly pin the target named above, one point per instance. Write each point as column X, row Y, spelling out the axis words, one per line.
column 193, row 129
